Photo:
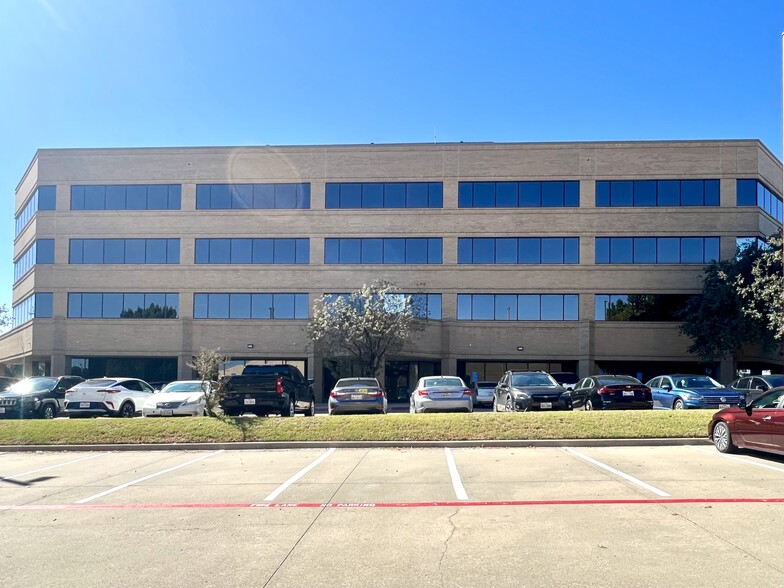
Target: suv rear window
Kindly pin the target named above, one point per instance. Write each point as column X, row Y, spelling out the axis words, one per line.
column 100, row 382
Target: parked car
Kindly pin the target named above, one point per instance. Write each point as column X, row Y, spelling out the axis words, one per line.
column 679, row 391
column 565, row 379
column 357, row 395
column 758, row 425
column 36, row 397
column 753, row 387
column 441, row 393
column 605, row 392
column 530, row 390
column 180, row 398
column 482, row 393
column 267, row 389
column 119, row 397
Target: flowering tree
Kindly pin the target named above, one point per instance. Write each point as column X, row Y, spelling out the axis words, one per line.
column 367, row 324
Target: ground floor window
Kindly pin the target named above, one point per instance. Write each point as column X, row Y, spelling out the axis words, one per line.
column 494, row 370
column 647, row 370
column 235, row 366
column 154, row 370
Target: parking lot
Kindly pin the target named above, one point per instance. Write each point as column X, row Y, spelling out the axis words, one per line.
column 630, row 516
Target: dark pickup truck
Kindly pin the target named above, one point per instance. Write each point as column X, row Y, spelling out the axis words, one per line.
column 267, row 389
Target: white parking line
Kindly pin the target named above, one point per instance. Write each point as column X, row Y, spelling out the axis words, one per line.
column 121, row 486
column 735, row 458
column 59, row 465
column 456, row 483
column 619, row 473
column 298, row 475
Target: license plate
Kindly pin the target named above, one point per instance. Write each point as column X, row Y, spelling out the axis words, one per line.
column 628, row 392
column 356, row 397
column 545, row 405
column 250, row 401
column 446, row 395
column 84, row 405
column 724, row 405
column 167, row 413
column 2, row 410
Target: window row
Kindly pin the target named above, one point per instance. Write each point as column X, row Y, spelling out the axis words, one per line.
column 640, row 307
column 546, row 194
column 38, row 305
column 522, row 250
column 124, row 251
column 384, row 251
column 385, row 195
column 426, row 306
column 127, row 197
column 657, row 193
column 253, row 251
column 261, row 196
column 684, row 250
column 517, row 307
column 250, row 306
column 41, row 251
column 755, row 193
column 123, row 305
column 44, row 198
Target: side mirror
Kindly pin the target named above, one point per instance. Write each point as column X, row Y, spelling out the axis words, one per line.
column 744, row 405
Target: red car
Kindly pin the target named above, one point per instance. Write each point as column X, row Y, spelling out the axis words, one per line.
column 760, row 425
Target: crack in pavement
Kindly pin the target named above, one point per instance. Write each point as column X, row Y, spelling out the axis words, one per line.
column 446, row 544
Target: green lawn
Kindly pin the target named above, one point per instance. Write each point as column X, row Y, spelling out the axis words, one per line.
column 398, row 427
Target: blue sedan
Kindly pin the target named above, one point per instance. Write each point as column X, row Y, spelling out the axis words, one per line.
column 679, row 391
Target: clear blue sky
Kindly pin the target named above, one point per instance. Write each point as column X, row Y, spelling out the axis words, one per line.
column 114, row 73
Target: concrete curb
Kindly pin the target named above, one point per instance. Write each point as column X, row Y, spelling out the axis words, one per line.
column 657, row 442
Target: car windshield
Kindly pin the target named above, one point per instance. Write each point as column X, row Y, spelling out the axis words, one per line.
column 33, row 385
column 696, row 382
column 183, row 387
column 533, row 380
column 443, row 382
column 769, row 400
column 618, row 380
column 357, row 383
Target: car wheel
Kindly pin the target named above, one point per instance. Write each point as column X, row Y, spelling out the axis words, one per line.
column 588, row 404
column 48, row 411
column 678, row 404
column 311, row 408
column 127, row 410
column 510, row 405
column 722, row 438
column 288, row 411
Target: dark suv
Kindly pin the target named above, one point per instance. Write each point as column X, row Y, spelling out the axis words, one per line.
column 530, row 390
column 36, row 397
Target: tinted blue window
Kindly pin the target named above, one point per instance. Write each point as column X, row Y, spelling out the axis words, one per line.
column 416, row 250
column 284, row 251
column 621, row 250
column 394, row 250
column 712, row 193
column 114, row 251
column 112, row 305
column 136, row 197
column 436, row 195
column 173, row 251
column 200, row 306
column 301, row 306
column 239, row 306
column 202, row 197
column 434, row 306
column 350, row 251
column 621, row 193
column 44, row 251
column 175, row 197
column 529, row 307
column 669, row 193
column 76, row 252
column 417, row 195
column 505, row 307
column 220, row 250
column 156, row 251
column 668, row 250
column 602, row 246
column 242, row 196
column 285, row 196
column 46, row 201
column 303, row 196
column 484, row 250
column 263, row 251
column 77, row 197
column 202, row 251
column 645, row 250
column 463, row 307
column 484, row 194
column 506, row 194
column 303, row 251
column 506, row 251
column 74, row 305
column 241, row 251
column 601, row 302
column 552, row 250
column 645, row 193
column 602, row 193
column 465, row 250
column 219, row 305
column 351, row 196
column 571, row 250
column 692, row 193
column 93, row 251
column 711, row 249
column 572, row 193
column 43, row 305
column 261, row 306
column 264, row 196
column 115, row 197
column 372, row 251
column 220, row 196
column 692, row 250
column 529, row 250
column 173, row 301
column 283, row 305
column 135, row 251
column 571, row 307
column 552, row 307
column 94, row 197
column 331, row 251
column 372, row 195
column 530, row 194
column 394, row 195
column 483, row 307
column 157, row 197
column 552, row 194
column 92, row 305
column 435, row 250
column 465, row 195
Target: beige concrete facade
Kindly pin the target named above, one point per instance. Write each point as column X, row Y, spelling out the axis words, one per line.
column 585, row 343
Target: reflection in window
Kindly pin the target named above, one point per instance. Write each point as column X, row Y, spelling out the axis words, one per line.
column 657, row 193
column 755, row 193
column 38, row 305
column 656, row 250
column 40, row 252
column 521, row 251
column 427, row 306
column 252, row 251
column 127, row 197
column 385, row 195
column 528, row 194
column 132, row 305
column 383, row 251
column 42, row 199
column 124, row 251
column 517, row 307
column 640, row 307
column 256, row 196
column 250, row 306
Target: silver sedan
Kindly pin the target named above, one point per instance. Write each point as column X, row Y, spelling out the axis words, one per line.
column 441, row 393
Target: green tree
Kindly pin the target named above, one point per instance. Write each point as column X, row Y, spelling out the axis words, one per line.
column 207, row 364
column 5, row 317
column 762, row 293
column 367, row 324
column 715, row 321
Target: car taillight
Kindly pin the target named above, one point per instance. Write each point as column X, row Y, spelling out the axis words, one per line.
column 332, row 394
column 467, row 392
column 279, row 385
column 423, row 392
column 604, row 390
column 646, row 389
column 377, row 393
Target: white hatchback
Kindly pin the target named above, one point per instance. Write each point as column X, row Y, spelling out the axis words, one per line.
column 122, row 397
column 181, row 398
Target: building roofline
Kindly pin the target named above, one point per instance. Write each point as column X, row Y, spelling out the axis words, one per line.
column 27, row 171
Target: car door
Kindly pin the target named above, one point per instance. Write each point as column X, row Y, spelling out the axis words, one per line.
column 656, row 391
column 578, row 399
column 757, row 388
column 755, row 426
column 777, row 428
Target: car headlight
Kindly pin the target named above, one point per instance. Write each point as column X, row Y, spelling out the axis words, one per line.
column 692, row 396
column 520, row 394
column 191, row 401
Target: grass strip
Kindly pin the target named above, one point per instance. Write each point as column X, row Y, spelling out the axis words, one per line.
column 393, row 427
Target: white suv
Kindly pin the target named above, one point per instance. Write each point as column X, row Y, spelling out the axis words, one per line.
column 123, row 397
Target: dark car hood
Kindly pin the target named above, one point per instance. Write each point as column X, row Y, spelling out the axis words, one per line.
column 22, row 394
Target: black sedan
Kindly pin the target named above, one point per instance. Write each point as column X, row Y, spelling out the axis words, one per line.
column 605, row 392
column 530, row 390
